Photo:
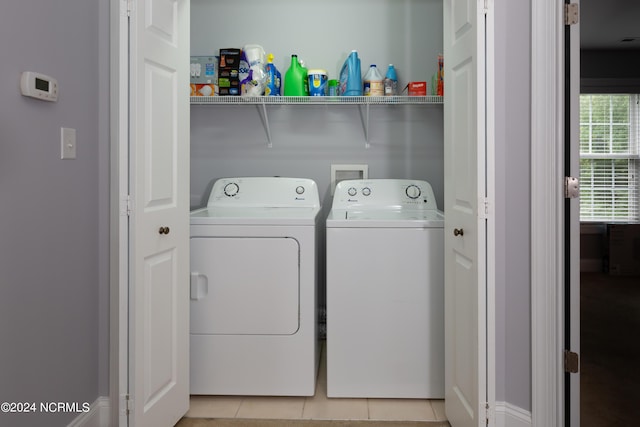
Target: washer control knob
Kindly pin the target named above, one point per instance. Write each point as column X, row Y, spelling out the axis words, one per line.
column 352, row 191
column 300, row 189
column 231, row 189
column 366, row 191
column 413, row 191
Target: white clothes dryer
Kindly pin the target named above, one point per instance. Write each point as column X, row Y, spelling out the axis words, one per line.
column 253, row 314
column 385, row 291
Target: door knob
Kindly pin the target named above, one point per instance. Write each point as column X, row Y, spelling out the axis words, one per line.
column 164, row 230
column 458, row 232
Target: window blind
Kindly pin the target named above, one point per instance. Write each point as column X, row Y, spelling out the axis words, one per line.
column 609, row 158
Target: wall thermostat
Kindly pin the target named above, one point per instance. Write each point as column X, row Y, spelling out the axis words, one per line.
column 39, row 86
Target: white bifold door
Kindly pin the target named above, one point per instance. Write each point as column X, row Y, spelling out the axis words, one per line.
column 159, row 220
column 466, row 225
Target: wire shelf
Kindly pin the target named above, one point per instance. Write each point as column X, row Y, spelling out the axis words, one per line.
column 316, row 100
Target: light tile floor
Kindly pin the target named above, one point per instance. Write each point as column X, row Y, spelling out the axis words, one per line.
column 318, row 407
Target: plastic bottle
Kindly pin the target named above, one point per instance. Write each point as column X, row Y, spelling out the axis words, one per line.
column 391, row 82
column 279, row 81
column 333, row 87
column 295, row 78
column 373, row 84
column 305, row 71
column 351, row 76
column 273, row 82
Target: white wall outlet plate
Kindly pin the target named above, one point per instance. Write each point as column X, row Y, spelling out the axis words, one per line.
column 342, row 172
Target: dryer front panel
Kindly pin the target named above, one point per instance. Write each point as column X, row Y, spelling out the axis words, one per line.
column 245, row 285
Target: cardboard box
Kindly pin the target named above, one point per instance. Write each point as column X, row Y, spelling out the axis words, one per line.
column 204, row 75
column 206, row 89
column 203, row 69
column 229, row 71
column 624, row 249
column 229, row 60
column 228, row 86
column 417, row 88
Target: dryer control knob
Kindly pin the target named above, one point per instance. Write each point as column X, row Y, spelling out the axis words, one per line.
column 352, row 191
column 366, row 191
column 300, row 189
column 231, row 189
column 413, row 191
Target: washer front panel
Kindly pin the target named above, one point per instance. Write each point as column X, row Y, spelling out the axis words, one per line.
column 385, row 314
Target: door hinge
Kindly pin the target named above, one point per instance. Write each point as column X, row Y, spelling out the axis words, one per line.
column 571, row 187
column 485, row 7
column 488, row 414
column 571, row 362
column 127, row 404
column 483, row 208
column 125, row 209
column 571, row 13
column 128, row 6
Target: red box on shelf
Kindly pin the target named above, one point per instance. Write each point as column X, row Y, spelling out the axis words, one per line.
column 417, row 88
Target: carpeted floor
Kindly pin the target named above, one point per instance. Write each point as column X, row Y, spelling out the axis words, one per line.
column 235, row 422
column 610, row 350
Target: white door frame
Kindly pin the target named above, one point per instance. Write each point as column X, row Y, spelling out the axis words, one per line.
column 547, row 266
column 547, row 213
column 119, row 207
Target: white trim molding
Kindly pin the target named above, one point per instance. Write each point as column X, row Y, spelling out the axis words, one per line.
column 508, row 415
column 547, row 203
column 98, row 415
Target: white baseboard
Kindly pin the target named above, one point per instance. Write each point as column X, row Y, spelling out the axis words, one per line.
column 508, row 415
column 98, row 415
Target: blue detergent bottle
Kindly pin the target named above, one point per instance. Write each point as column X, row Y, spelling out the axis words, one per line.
column 273, row 78
column 351, row 76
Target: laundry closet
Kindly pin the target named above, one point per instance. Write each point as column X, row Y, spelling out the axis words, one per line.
column 404, row 141
column 401, row 140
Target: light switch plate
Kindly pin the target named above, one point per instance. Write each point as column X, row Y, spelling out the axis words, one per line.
column 67, row 143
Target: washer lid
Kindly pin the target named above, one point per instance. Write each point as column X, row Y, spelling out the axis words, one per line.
column 386, row 218
column 255, row 216
column 384, row 194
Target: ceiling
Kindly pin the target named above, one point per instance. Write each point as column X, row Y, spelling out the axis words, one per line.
column 604, row 24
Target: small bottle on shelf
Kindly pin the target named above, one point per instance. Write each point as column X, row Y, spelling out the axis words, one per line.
column 373, row 84
column 391, row 82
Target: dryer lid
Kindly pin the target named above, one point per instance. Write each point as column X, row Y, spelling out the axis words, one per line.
column 264, row 192
column 255, row 216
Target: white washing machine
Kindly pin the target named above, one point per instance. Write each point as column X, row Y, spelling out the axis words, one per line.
column 253, row 288
column 385, row 291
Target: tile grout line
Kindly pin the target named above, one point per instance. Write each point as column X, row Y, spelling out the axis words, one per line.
column 238, row 409
column 304, row 405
